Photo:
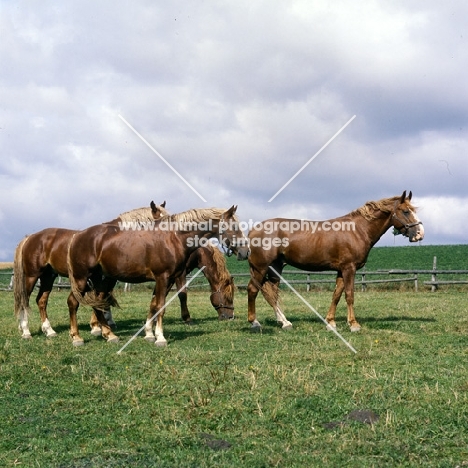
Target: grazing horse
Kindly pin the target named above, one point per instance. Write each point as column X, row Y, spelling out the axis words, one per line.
column 102, row 255
column 218, row 276
column 43, row 256
column 341, row 244
column 220, row 280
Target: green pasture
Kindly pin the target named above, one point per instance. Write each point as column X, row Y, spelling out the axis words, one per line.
column 221, row 396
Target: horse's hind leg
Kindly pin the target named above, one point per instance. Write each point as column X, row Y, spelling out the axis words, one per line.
column 47, row 282
column 23, row 316
column 270, row 291
column 339, row 288
column 349, row 293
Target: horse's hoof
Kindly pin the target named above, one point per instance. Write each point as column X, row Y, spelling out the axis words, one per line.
column 26, row 337
column 78, row 342
column 150, row 339
column 160, row 343
column 331, row 327
column 114, row 339
column 96, row 331
column 256, row 327
column 355, row 328
column 51, row 334
column 287, row 326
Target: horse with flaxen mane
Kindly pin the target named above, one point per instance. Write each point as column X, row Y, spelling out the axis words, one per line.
column 102, row 255
column 220, row 280
column 43, row 256
column 340, row 244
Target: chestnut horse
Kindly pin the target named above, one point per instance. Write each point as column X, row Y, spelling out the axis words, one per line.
column 43, row 256
column 220, row 280
column 101, row 255
column 341, row 244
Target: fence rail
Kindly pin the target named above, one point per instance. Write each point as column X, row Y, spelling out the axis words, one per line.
column 362, row 278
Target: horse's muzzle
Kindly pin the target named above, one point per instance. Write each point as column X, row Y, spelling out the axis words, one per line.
column 243, row 253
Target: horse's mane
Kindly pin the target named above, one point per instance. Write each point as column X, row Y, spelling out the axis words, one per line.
column 220, row 260
column 385, row 205
column 141, row 214
column 196, row 215
column 224, row 274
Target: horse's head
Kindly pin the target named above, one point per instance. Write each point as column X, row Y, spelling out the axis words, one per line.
column 223, row 300
column 405, row 221
column 158, row 211
column 231, row 235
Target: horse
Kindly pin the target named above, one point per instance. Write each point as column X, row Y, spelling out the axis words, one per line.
column 340, row 244
column 43, row 256
column 220, row 280
column 101, row 255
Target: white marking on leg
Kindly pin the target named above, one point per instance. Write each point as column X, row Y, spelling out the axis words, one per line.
column 280, row 317
column 23, row 324
column 47, row 329
column 96, row 330
column 149, row 335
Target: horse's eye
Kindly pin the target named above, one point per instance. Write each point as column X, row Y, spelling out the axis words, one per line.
column 406, row 212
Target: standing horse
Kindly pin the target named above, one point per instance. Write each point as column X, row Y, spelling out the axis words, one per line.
column 43, row 256
column 220, row 280
column 341, row 244
column 102, row 255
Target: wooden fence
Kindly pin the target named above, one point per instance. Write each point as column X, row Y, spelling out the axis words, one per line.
column 308, row 278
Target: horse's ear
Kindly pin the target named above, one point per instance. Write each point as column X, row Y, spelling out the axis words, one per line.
column 410, row 195
column 163, row 204
column 403, row 197
column 231, row 210
column 153, row 206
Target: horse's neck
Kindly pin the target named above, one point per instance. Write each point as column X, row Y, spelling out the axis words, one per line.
column 375, row 228
column 205, row 259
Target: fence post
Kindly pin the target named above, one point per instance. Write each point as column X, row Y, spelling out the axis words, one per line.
column 363, row 280
column 308, row 283
column 415, row 282
column 434, row 275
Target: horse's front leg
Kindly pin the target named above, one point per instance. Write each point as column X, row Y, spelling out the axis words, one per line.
column 157, row 308
column 348, row 277
column 254, row 286
column 95, row 325
column 339, row 288
column 182, row 294
column 104, row 327
column 73, row 305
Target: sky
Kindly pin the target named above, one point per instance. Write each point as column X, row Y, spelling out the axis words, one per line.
column 108, row 105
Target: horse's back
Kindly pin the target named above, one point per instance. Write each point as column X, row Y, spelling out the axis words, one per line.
column 131, row 256
column 306, row 244
column 47, row 247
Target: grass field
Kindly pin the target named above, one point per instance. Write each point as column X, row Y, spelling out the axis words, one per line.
column 221, row 396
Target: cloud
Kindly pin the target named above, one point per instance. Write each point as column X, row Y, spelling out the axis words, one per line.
column 237, row 97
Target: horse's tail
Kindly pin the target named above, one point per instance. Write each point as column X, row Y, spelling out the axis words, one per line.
column 91, row 298
column 270, row 293
column 19, row 284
